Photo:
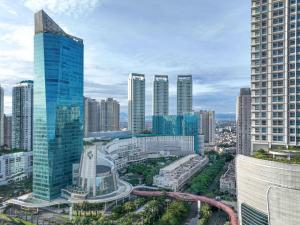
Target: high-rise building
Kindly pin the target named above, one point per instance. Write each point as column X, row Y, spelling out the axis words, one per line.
column 92, row 115
column 207, row 125
column 86, row 116
column 7, row 131
column 177, row 125
column 109, row 115
column 243, row 122
column 136, row 103
column 184, row 94
column 1, row 116
column 274, row 74
column 58, row 107
column 22, row 115
column 160, row 95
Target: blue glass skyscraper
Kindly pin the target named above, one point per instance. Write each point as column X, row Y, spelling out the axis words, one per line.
column 58, row 107
column 177, row 125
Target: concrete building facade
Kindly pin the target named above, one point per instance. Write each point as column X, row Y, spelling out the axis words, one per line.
column 268, row 192
column 15, row 167
column 134, row 149
column 161, row 95
column 184, row 94
column 22, row 115
column 109, row 115
column 207, row 125
column 228, row 181
column 1, row 116
column 274, row 74
column 243, row 122
column 136, row 103
column 7, row 131
column 92, row 115
column 177, row 174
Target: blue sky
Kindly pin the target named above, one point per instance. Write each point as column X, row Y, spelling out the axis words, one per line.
column 205, row 38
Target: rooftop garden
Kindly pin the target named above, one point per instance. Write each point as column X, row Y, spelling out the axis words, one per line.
column 4, row 151
column 283, row 148
column 265, row 155
column 142, row 173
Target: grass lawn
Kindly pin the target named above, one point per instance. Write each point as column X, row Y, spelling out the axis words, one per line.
column 144, row 172
column 6, row 218
column 16, row 189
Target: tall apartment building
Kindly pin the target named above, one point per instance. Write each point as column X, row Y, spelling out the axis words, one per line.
column 136, row 103
column 243, row 122
column 92, row 115
column 86, row 116
column 22, row 115
column 274, row 74
column 109, row 115
column 184, row 94
column 207, row 125
column 7, row 130
column 58, row 107
column 160, row 95
column 1, row 116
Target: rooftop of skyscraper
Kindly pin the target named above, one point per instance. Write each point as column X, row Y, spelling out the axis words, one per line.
column 44, row 24
column 161, row 77
column 137, row 76
column 184, row 77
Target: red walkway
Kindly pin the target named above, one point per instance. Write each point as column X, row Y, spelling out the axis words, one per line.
column 192, row 198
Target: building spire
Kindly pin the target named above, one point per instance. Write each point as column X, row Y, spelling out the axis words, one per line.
column 43, row 23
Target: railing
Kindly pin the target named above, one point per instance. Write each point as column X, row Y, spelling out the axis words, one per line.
column 191, row 198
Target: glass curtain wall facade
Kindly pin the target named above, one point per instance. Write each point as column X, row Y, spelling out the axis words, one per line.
column 58, row 107
column 251, row 216
column 177, row 125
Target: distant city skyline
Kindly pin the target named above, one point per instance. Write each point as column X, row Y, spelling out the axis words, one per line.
column 187, row 39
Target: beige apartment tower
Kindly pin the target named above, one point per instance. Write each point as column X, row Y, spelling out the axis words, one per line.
column 109, row 115
column 207, row 125
column 1, row 116
column 243, row 122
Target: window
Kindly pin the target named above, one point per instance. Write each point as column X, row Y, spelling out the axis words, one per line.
column 277, row 5
column 249, row 215
column 277, row 138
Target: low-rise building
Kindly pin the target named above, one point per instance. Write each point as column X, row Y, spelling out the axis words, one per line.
column 15, row 167
column 175, row 175
column 138, row 148
column 228, row 181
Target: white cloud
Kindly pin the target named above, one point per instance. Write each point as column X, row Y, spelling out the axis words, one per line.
column 16, row 54
column 7, row 104
column 73, row 7
column 16, row 42
column 7, row 9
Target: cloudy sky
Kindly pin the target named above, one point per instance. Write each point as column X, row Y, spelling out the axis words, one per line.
column 205, row 38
